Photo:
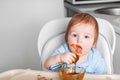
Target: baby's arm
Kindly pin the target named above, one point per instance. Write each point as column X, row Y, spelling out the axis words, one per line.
column 66, row 57
column 52, row 60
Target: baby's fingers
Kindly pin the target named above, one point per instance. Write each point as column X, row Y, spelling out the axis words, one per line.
column 69, row 59
column 75, row 58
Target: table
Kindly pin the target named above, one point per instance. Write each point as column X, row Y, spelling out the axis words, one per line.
column 21, row 74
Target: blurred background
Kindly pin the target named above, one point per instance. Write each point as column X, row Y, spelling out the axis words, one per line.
column 20, row 23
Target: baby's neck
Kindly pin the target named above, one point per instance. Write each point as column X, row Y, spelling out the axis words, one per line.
column 82, row 59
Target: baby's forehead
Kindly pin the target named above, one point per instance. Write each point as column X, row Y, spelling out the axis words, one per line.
column 83, row 25
column 82, row 28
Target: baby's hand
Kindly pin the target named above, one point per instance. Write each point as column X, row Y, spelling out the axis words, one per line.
column 68, row 57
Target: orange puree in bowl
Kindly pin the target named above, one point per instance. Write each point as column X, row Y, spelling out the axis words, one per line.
column 71, row 76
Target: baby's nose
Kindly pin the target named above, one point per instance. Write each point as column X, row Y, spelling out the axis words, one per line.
column 79, row 40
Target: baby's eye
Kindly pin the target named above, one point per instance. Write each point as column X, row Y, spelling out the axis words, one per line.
column 74, row 35
column 86, row 36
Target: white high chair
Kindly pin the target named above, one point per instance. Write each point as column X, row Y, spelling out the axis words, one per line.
column 52, row 36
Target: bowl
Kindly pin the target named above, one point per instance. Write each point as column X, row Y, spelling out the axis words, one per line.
column 72, row 73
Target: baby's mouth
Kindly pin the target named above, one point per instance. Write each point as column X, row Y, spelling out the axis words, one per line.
column 77, row 49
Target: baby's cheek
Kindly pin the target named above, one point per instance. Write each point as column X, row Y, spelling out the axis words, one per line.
column 86, row 50
column 71, row 40
column 71, row 49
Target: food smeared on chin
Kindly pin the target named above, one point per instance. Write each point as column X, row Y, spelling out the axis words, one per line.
column 77, row 51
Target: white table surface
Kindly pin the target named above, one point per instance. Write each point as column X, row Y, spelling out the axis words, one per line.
column 21, row 74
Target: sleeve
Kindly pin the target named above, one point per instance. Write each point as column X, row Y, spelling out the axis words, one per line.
column 63, row 48
column 100, row 66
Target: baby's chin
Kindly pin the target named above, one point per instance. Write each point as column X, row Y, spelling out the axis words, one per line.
column 83, row 54
column 79, row 54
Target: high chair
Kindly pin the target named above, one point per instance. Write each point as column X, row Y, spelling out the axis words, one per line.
column 51, row 36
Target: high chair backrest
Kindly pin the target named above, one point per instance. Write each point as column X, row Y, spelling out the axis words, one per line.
column 52, row 36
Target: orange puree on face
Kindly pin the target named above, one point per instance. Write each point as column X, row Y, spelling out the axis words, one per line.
column 77, row 48
column 77, row 51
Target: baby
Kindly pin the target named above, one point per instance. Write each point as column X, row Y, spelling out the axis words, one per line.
column 80, row 47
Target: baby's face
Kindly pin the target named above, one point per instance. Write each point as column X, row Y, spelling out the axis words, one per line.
column 83, row 36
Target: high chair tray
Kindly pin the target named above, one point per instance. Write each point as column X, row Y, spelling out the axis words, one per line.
column 21, row 74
